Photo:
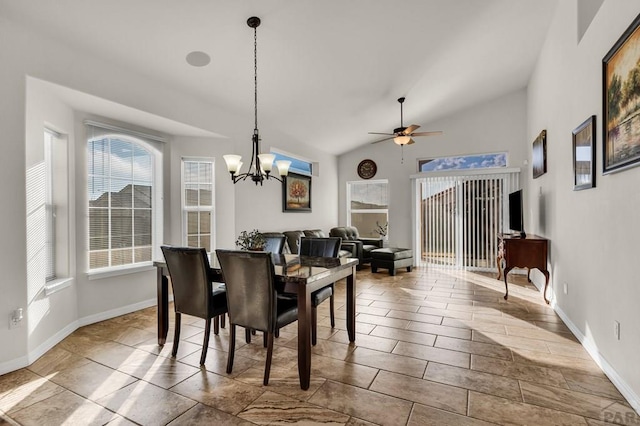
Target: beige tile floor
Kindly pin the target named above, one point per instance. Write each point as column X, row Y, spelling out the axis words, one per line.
column 433, row 348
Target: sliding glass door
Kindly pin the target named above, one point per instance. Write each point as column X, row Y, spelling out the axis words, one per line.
column 457, row 217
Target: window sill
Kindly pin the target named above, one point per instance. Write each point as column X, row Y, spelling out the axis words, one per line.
column 123, row 270
column 55, row 286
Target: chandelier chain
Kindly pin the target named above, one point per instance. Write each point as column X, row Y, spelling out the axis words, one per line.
column 255, row 78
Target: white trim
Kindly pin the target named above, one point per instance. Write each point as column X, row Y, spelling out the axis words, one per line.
column 98, row 274
column 55, row 286
column 592, row 348
column 124, row 130
column 34, row 355
column 103, row 316
column 467, row 172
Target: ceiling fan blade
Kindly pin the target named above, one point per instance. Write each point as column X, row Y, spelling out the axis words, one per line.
column 385, row 139
column 410, row 129
column 411, row 142
column 427, row 133
column 376, row 133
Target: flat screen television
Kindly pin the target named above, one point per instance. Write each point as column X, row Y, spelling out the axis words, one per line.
column 516, row 216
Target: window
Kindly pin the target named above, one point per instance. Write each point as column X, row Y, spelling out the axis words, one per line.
column 50, row 138
column 121, row 200
column 197, row 203
column 298, row 165
column 474, row 161
column 368, row 206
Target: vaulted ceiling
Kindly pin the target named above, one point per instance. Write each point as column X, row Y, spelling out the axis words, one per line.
column 328, row 71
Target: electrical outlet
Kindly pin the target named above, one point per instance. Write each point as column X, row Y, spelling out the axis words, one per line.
column 616, row 329
column 565, row 287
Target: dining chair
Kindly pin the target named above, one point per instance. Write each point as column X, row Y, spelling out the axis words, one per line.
column 321, row 247
column 274, row 242
column 194, row 292
column 252, row 299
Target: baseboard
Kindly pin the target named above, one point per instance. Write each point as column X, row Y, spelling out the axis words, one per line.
column 103, row 316
column 32, row 356
column 593, row 351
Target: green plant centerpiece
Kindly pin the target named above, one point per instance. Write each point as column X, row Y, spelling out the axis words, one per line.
column 253, row 240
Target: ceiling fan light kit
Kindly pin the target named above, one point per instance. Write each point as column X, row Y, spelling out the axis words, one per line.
column 403, row 135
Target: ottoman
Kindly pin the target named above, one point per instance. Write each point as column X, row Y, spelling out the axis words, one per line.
column 391, row 258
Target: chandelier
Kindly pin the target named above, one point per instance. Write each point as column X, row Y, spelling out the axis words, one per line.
column 261, row 164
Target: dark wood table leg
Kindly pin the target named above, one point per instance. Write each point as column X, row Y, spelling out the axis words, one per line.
column 499, row 265
column 351, row 306
column 163, row 306
column 304, row 336
column 546, row 283
column 506, row 288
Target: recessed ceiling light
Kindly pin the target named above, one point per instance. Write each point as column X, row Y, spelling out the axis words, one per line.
column 198, row 59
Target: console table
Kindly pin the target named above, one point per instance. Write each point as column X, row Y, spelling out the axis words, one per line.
column 529, row 252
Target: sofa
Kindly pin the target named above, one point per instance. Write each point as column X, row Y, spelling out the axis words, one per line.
column 292, row 244
column 360, row 247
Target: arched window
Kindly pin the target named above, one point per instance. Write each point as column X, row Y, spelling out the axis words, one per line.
column 121, row 201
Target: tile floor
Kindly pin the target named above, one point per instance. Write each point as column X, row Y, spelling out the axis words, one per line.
column 433, row 348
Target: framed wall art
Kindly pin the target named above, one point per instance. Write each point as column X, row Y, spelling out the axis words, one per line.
column 539, row 158
column 621, row 102
column 584, row 155
column 296, row 193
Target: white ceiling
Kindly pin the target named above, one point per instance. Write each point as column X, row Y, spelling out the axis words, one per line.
column 329, row 71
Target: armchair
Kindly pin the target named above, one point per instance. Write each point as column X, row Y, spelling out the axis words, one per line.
column 360, row 247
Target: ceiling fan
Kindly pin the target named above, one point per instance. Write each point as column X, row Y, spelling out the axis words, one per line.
column 403, row 135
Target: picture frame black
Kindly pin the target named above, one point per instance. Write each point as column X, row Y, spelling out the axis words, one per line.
column 621, row 98
column 296, row 193
column 539, row 155
column 584, row 154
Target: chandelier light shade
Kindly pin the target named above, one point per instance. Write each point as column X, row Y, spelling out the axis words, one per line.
column 261, row 164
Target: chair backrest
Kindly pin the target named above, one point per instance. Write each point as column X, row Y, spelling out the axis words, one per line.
column 324, row 247
column 274, row 242
column 317, row 233
column 347, row 233
column 190, row 279
column 293, row 240
column 251, row 294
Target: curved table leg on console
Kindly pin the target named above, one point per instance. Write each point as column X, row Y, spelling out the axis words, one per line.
column 506, row 287
column 546, row 283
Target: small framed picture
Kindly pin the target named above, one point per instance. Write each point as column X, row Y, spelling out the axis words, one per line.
column 584, row 155
column 539, row 160
column 296, row 193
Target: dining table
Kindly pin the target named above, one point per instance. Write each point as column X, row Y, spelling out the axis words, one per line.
column 301, row 275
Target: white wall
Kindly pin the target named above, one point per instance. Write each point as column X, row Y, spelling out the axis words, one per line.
column 24, row 53
column 261, row 207
column 594, row 233
column 495, row 126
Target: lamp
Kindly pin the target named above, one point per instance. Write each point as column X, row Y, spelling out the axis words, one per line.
column 402, row 140
column 261, row 164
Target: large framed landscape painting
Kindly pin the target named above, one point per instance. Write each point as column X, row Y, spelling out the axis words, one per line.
column 296, row 193
column 621, row 99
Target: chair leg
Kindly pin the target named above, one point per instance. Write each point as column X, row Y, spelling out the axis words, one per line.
column 267, row 367
column 176, row 335
column 314, row 325
column 264, row 339
column 205, row 344
column 277, row 333
column 247, row 335
column 222, row 320
column 232, row 347
column 216, row 325
column 331, row 314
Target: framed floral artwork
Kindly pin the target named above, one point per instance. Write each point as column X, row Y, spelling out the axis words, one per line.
column 296, row 193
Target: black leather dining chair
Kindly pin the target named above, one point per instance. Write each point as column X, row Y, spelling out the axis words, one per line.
column 252, row 299
column 322, row 247
column 193, row 291
column 274, row 242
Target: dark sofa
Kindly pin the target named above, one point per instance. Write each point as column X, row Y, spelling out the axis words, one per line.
column 360, row 247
